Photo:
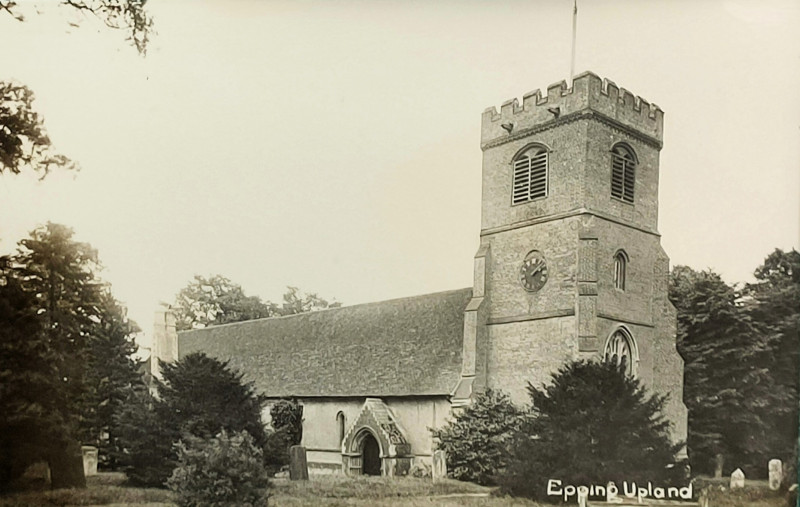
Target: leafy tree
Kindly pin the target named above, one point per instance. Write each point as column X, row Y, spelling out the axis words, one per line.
column 113, row 375
column 222, row 470
column 24, row 142
column 477, row 441
column 288, row 415
column 128, row 15
column 593, row 424
column 216, row 300
column 23, row 139
column 296, row 301
column 733, row 352
column 58, row 275
column 287, row 430
column 774, row 301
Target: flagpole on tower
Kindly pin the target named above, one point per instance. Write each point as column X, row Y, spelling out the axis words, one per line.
column 574, row 36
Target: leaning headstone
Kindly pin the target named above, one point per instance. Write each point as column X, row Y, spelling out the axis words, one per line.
column 775, row 474
column 298, row 466
column 737, row 479
column 439, row 471
column 89, row 460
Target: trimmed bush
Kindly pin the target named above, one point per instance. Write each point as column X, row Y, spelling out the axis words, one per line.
column 223, row 470
column 593, row 424
column 477, row 440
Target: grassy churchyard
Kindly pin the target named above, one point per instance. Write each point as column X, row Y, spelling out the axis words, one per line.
column 109, row 489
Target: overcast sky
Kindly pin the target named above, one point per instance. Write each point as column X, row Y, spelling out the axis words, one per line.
column 334, row 145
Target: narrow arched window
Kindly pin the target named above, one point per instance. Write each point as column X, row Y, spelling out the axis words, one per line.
column 340, row 425
column 623, row 172
column 621, row 351
column 530, row 175
column 620, row 269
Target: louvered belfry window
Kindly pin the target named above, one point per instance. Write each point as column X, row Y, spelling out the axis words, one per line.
column 623, row 173
column 530, row 175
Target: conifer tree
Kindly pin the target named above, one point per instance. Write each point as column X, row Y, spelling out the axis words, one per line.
column 201, row 395
column 592, row 424
column 59, row 276
column 113, row 375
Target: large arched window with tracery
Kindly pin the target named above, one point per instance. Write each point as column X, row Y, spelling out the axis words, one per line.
column 621, row 350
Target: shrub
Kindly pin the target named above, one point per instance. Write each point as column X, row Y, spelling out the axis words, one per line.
column 477, row 440
column 287, row 415
column 287, row 423
column 223, row 470
column 593, row 424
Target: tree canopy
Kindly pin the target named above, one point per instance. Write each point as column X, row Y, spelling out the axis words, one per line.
column 199, row 397
column 24, row 143
column 67, row 355
column 215, row 300
column 741, row 363
column 592, row 424
column 128, row 15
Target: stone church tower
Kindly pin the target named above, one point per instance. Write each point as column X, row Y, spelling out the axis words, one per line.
column 570, row 264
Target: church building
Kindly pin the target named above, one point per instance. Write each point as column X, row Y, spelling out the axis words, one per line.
column 570, row 266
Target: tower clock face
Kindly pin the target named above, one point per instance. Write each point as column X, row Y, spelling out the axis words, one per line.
column 533, row 272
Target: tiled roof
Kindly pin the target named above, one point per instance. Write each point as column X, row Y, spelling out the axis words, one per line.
column 408, row 346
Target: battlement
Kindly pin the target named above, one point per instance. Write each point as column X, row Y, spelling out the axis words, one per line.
column 589, row 96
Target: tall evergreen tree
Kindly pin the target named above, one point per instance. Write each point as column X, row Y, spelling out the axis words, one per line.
column 113, row 374
column 199, row 397
column 29, row 415
column 59, row 275
column 591, row 425
column 202, row 395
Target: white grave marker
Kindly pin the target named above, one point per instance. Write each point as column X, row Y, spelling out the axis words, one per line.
column 737, row 479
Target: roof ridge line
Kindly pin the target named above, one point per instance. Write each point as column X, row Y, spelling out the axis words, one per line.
column 296, row 315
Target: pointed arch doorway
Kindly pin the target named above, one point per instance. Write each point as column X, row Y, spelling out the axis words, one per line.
column 370, row 455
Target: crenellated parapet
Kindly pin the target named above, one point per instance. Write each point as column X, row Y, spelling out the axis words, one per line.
column 589, row 97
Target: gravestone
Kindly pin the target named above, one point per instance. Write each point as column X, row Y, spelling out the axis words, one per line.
column 298, row 465
column 719, row 462
column 439, row 471
column 775, row 474
column 89, row 460
column 737, row 479
column 583, row 495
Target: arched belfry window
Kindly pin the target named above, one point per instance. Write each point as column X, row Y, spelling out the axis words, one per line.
column 340, row 423
column 530, row 174
column 623, row 172
column 620, row 269
column 621, row 350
